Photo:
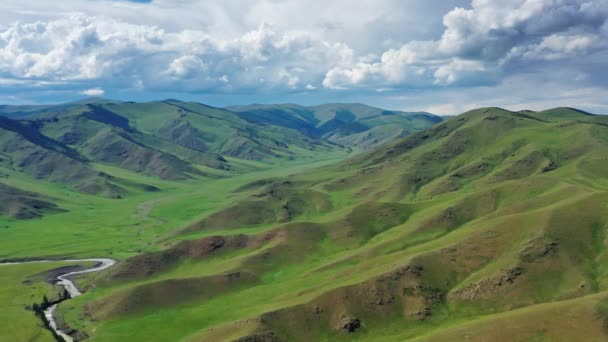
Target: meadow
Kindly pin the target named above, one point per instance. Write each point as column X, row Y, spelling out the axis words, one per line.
column 490, row 224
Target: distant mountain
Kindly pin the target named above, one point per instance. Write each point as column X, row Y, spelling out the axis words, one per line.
column 21, row 204
column 348, row 124
column 22, row 112
column 24, row 149
column 485, row 226
column 488, row 221
column 175, row 140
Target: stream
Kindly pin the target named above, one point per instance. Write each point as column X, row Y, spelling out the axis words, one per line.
column 64, row 281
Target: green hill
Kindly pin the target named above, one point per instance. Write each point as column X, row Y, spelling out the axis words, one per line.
column 25, row 150
column 488, row 226
column 21, row 204
column 72, row 144
column 353, row 125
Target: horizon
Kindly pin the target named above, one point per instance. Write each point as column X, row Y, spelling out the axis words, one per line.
column 439, row 57
column 303, row 170
column 226, row 107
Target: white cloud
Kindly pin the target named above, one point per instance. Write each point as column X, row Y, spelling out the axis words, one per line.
column 186, row 67
column 460, row 70
column 518, row 92
column 560, row 46
column 84, row 48
column 379, row 47
column 93, row 92
column 479, row 42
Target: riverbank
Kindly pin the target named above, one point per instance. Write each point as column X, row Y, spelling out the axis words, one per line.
column 62, row 276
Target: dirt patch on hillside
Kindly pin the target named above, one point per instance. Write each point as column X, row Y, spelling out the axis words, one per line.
column 449, row 184
column 291, row 242
column 523, row 167
column 275, row 205
column 539, row 248
column 412, row 293
column 346, row 310
column 368, row 220
column 454, row 180
column 466, row 210
column 167, row 293
column 145, row 265
column 488, row 287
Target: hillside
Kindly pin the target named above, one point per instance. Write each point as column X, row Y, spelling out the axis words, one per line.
column 73, row 144
column 487, row 226
column 26, row 151
column 353, row 125
column 21, row 204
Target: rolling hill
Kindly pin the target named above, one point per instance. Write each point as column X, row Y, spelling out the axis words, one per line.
column 353, row 125
column 21, row 204
column 71, row 144
column 488, row 226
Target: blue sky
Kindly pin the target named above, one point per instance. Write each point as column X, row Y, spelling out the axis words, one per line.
column 436, row 55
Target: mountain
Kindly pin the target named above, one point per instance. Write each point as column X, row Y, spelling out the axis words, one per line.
column 102, row 147
column 25, row 111
column 19, row 204
column 487, row 226
column 352, row 125
column 27, row 151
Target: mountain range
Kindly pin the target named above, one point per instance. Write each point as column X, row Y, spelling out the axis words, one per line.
column 487, row 226
column 175, row 140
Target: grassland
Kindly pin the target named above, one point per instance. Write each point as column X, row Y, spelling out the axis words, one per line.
column 489, row 226
column 93, row 225
column 22, row 286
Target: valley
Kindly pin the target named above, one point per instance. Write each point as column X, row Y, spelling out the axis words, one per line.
column 335, row 223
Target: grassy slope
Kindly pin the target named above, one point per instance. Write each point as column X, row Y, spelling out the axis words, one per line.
column 22, row 286
column 578, row 319
column 205, row 128
column 481, row 219
column 354, row 125
column 20, row 204
column 486, row 213
column 95, row 226
column 170, row 140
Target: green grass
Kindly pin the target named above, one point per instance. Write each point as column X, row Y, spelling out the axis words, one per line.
column 94, row 226
column 487, row 221
column 22, row 286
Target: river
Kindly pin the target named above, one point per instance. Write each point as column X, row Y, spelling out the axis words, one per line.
column 64, row 281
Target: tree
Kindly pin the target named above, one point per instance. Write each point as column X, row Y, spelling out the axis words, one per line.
column 45, row 302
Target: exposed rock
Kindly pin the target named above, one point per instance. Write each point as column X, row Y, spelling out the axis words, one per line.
column 350, row 324
column 550, row 167
column 510, row 276
column 488, row 286
column 539, row 248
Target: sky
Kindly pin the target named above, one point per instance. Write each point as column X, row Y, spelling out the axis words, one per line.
column 440, row 56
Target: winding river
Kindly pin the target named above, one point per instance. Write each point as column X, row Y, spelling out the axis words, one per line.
column 65, row 281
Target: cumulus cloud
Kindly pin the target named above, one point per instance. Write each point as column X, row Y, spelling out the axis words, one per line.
column 93, row 92
column 83, row 48
column 561, row 46
column 310, row 47
column 479, row 42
